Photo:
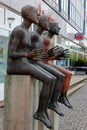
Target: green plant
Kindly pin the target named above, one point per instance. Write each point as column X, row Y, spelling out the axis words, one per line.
column 72, row 58
column 81, row 61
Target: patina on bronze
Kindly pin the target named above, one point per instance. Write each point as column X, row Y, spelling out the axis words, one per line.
column 44, row 24
column 21, row 61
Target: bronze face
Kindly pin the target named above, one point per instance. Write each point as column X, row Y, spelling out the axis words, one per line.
column 54, row 28
column 43, row 21
column 30, row 13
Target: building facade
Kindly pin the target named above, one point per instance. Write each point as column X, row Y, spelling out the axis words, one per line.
column 70, row 15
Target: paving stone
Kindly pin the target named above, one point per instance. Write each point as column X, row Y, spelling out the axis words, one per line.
column 75, row 119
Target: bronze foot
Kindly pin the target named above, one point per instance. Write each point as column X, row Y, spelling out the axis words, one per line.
column 47, row 114
column 44, row 119
column 55, row 107
column 64, row 100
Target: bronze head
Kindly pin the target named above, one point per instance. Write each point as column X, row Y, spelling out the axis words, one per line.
column 54, row 28
column 43, row 21
column 30, row 13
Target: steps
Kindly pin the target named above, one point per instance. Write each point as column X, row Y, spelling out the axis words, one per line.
column 77, row 81
column 75, row 88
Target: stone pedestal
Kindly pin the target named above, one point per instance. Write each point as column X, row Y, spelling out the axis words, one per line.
column 21, row 102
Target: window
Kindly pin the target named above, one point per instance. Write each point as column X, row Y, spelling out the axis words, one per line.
column 4, row 36
column 53, row 3
column 3, row 53
column 1, row 16
column 64, row 8
column 76, row 18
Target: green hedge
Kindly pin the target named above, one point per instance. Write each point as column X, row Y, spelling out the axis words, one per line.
column 77, row 60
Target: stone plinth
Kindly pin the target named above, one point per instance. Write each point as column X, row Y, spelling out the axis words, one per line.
column 21, row 102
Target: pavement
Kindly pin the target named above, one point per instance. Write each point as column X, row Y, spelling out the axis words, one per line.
column 74, row 119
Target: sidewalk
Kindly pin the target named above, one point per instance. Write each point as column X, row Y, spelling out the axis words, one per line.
column 76, row 118
column 76, row 83
column 77, row 78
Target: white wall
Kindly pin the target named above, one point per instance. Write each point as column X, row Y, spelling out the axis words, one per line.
column 18, row 4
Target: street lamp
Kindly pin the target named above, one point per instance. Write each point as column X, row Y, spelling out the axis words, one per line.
column 10, row 21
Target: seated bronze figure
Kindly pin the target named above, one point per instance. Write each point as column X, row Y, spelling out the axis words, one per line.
column 44, row 24
column 21, row 61
column 25, row 49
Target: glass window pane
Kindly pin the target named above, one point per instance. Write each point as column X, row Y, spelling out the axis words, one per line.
column 3, row 53
column 1, row 16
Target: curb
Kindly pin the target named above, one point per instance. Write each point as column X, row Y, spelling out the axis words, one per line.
column 74, row 89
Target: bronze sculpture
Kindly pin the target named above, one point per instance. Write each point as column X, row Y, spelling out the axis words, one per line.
column 20, row 60
column 23, row 56
column 54, row 30
column 43, row 24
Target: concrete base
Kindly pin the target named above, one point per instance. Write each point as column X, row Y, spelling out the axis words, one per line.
column 21, row 96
